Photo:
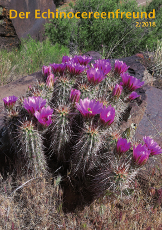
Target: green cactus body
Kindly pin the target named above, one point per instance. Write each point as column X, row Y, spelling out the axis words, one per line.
column 61, row 91
column 85, row 90
column 32, row 148
column 86, row 150
column 12, row 123
column 61, row 131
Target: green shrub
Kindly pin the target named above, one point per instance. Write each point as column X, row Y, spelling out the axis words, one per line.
column 62, row 31
column 154, row 4
column 120, row 37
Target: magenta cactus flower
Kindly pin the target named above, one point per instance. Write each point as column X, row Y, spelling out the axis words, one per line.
column 95, row 76
column 133, row 96
column 140, row 154
column 66, row 59
column 58, row 68
column 89, row 108
column 102, row 62
column 75, row 95
column 83, row 60
column 117, row 91
column 107, row 115
column 33, row 104
column 74, row 68
column 61, row 68
column 104, row 65
column 10, row 101
column 51, row 80
column 54, row 67
column 46, row 70
column 44, row 116
column 122, row 146
column 75, row 59
column 152, row 146
column 120, row 67
column 130, row 82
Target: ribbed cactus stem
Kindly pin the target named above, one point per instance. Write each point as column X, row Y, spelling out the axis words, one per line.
column 61, row 92
column 12, row 124
column 31, row 142
column 86, row 150
column 61, row 131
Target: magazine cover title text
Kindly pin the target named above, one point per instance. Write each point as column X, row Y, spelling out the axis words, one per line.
column 51, row 15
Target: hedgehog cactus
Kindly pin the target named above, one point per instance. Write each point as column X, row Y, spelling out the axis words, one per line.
column 79, row 108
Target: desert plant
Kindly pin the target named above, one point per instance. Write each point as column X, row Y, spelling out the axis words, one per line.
column 81, row 120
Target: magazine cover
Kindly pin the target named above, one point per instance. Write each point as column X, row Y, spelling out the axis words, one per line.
column 80, row 114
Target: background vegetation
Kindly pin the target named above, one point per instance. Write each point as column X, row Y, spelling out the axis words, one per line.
column 119, row 37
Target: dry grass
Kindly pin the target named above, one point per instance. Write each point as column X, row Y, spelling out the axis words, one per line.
column 157, row 59
column 6, row 70
column 36, row 203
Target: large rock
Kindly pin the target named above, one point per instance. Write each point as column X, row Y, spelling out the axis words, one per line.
column 151, row 125
column 151, row 122
column 147, row 114
column 31, row 26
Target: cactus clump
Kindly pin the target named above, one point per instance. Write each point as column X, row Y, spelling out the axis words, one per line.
column 78, row 110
